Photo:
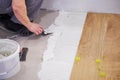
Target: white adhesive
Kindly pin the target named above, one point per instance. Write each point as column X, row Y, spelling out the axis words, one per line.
column 49, row 53
column 54, row 70
column 62, row 46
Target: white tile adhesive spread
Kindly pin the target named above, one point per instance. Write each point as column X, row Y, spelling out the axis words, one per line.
column 62, row 46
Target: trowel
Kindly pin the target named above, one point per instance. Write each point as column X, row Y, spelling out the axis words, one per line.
column 46, row 32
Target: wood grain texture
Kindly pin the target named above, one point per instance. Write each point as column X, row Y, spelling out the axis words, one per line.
column 100, row 40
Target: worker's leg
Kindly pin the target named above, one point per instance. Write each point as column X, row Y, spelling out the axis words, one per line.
column 5, row 9
column 33, row 8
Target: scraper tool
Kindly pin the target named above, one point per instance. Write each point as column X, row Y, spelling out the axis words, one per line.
column 44, row 33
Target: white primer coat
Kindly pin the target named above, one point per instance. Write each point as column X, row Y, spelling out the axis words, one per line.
column 62, row 46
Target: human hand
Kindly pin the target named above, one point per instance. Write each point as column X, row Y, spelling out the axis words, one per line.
column 35, row 28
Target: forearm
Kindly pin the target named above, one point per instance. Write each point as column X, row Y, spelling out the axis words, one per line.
column 20, row 12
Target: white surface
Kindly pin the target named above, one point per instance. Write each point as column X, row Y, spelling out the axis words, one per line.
column 63, row 45
column 49, row 54
column 55, row 70
column 105, row 6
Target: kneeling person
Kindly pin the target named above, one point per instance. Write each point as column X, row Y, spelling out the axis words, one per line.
column 18, row 16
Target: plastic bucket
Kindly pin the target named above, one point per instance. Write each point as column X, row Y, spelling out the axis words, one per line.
column 9, row 58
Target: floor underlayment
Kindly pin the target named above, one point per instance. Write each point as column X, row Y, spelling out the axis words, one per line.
column 99, row 49
column 52, row 57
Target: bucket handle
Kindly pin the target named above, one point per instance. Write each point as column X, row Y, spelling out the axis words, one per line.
column 4, row 73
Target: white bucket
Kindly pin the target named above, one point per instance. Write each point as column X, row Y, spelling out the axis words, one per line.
column 10, row 64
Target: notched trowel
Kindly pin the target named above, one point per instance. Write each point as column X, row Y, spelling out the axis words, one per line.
column 46, row 32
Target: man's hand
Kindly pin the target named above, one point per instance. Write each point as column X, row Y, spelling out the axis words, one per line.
column 35, row 28
column 20, row 11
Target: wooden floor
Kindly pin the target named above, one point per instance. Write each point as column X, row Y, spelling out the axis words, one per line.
column 100, row 40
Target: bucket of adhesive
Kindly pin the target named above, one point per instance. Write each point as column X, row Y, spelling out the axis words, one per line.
column 9, row 58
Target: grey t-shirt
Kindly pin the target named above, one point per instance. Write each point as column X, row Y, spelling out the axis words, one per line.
column 5, row 6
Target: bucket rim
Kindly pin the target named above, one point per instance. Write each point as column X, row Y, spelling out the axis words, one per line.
column 16, row 51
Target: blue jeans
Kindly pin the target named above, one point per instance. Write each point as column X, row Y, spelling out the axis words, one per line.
column 33, row 7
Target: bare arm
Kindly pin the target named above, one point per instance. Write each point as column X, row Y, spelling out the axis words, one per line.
column 20, row 11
